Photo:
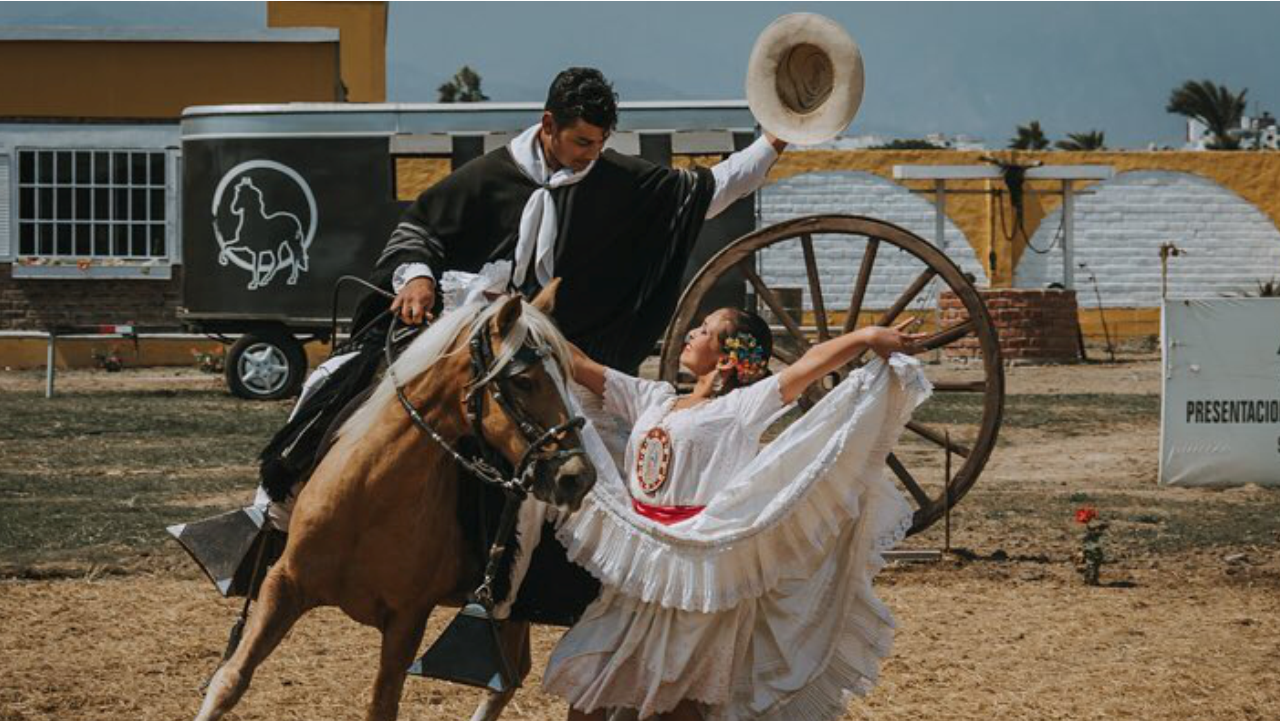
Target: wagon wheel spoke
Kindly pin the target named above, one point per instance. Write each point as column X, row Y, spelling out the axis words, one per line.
column 815, row 287
column 938, row 439
column 907, row 296
column 860, row 287
column 899, row 470
column 947, row 336
column 767, row 295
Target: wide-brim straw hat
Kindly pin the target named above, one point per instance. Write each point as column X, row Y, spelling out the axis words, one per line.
column 804, row 79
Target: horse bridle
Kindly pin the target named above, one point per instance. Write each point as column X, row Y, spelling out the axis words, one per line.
column 498, row 384
column 538, row 438
column 485, row 468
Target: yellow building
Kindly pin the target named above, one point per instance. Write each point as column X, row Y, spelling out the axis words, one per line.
column 312, row 51
column 90, row 159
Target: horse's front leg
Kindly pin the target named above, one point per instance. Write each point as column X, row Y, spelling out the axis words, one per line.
column 278, row 607
column 401, row 634
column 515, row 644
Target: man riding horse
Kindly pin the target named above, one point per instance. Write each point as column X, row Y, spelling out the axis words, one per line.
column 618, row 230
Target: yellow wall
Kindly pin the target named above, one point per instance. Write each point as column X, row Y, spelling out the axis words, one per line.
column 1254, row 176
column 1120, row 323
column 100, row 79
column 414, row 175
column 20, row 353
column 363, row 30
column 28, row 353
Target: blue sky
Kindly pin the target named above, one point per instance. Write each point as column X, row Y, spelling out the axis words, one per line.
column 973, row 68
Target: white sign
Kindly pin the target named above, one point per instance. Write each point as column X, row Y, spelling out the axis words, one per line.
column 1220, row 415
column 266, row 239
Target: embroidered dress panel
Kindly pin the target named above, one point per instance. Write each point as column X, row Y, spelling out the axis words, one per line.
column 709, row 443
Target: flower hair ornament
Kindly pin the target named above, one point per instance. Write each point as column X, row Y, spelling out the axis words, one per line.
column 748, row 356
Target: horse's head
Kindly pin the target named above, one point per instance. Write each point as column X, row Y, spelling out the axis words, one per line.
column 240, row 200
column 519, row 400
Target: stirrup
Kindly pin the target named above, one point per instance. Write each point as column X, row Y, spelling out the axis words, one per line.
column 226, row 547
column 469, row 651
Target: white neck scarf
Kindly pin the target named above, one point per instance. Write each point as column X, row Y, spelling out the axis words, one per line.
column 538, row 223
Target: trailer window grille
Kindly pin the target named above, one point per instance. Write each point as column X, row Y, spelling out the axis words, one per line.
column 92, row 204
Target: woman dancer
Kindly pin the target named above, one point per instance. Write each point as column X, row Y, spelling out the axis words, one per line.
column 736, row 581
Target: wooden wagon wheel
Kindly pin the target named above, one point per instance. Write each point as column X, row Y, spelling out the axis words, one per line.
column 948, row 416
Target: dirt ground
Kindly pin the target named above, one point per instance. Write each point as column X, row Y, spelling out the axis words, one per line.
column 101, row 618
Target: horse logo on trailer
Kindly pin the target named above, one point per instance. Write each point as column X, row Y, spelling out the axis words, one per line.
column 262, row 241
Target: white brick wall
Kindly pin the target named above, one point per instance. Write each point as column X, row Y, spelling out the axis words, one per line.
column 855, row 193
column 1230, row 244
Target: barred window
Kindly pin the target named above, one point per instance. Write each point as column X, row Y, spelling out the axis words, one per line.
column 92, row 204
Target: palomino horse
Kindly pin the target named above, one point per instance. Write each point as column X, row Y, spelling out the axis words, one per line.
column 375, row 530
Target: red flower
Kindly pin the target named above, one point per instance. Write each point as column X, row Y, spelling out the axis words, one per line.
column 1086, row 514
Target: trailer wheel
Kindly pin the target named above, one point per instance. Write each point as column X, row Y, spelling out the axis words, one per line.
column 266, row 366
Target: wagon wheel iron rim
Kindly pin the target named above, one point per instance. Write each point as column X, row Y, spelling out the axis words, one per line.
column 263, row 368
column 877, row 236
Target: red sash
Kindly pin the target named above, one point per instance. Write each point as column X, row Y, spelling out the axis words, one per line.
column 666, row 515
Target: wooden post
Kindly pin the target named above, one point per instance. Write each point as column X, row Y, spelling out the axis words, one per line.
column 946, row 494
column 940, row 214
column 50, row 355
column 1068, row 237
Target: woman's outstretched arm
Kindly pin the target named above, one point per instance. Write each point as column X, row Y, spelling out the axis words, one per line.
column 830, row 355
column 587, row 372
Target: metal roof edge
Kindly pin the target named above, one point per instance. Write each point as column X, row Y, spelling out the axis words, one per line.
column 73, row 33
column 339, row 107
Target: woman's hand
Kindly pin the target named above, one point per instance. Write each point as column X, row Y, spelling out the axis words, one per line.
column 886, row 341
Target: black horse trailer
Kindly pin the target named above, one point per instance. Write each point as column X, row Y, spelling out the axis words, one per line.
column 280, row 201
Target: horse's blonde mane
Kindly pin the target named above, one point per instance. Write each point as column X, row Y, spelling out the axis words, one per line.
column 434, row 343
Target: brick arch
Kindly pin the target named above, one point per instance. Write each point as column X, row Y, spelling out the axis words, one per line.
column 1230, row 243
column 857, row 193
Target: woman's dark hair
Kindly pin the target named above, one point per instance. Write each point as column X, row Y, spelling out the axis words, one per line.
column 583, row 94
column 747, row 323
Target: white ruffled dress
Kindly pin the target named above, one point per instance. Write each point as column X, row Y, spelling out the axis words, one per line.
column 761, row 605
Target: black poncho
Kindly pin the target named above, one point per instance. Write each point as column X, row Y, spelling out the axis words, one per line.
column 626, row 232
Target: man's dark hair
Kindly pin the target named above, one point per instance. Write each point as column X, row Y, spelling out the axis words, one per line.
column 583, row 94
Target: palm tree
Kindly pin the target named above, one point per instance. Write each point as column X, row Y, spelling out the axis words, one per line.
column 1215, row 106
column 1092, row 140
column 1029, row 137
column 464, row 87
